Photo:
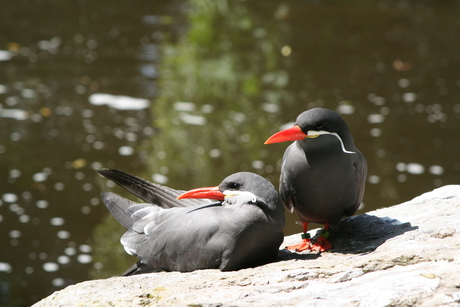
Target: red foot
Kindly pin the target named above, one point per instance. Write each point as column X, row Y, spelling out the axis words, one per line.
column 302, row 246
column 321, row 245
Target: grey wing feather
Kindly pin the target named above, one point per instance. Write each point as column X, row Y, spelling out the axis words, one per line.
column 285, row 186
column 130, row 214
column 143, row 218
column 138, row 211
column 132, row 238
column 118, row 207
column 153, row 193
column 360, row 175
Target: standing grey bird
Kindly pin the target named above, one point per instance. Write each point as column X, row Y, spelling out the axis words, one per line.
column 244, row 228
column 323, row 174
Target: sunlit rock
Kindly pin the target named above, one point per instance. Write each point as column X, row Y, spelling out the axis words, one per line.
column 403, row 255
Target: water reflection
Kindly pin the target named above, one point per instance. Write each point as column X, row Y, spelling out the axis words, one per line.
column 75, row 91
column 53, row 138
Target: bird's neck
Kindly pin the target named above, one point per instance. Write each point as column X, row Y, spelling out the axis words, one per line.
column 327, row 145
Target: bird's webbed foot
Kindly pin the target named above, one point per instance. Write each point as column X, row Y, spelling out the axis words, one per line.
column 321, row 244
column 305, row 244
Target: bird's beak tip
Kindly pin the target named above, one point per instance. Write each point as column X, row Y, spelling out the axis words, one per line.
column 291, row 134
column 209, row 193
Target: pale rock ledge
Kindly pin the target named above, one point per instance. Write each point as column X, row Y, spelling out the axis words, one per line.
column 405, row 255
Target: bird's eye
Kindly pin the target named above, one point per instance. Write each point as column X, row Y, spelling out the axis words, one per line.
column 319, row 127
column 233, row 185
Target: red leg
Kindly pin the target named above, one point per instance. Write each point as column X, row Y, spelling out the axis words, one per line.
column 322, row 244
column 304, row 244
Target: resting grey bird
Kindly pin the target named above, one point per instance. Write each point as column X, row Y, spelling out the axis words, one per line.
column 244, row 228
column 323, row 174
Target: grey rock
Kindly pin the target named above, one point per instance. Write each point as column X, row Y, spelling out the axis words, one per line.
column 405, row 255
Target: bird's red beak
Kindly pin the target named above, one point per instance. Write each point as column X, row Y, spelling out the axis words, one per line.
column 291, row 134
column 209, row 193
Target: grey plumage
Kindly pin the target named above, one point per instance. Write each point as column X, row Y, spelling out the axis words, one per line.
column 323, row 175
column 244, row 230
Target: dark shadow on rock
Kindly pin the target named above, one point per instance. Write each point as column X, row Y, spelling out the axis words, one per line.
column 284, row 255
column 364, row 233
column 358, row 234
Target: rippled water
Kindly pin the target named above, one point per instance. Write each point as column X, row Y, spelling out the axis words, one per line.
column 134, row 86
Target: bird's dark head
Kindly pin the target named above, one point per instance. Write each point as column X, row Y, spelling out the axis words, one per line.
column 314, row 123
column 320, row 119
column 246, row 187
column 242, row 185
column 248, row 182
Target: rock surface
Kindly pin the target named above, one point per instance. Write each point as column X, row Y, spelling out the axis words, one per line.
column 405, row 255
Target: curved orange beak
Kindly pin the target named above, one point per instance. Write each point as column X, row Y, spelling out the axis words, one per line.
column 291, row 134
column 209, row 193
